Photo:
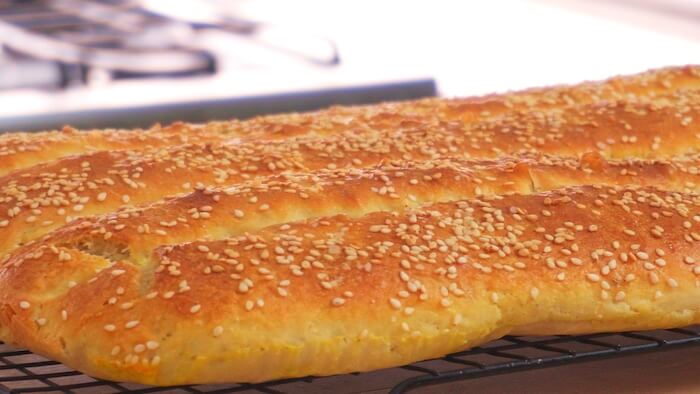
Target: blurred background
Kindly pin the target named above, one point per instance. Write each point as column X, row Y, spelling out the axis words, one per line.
column 129, row 63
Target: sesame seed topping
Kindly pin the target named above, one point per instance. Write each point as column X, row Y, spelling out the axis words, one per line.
column 249, row 305
column 152, row 345
column 428, row 250
column 217, row 331
column 593, row 277
column 620, row 296
column 131, row 324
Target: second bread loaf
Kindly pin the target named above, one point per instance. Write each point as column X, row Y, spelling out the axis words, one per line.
column 44, row 197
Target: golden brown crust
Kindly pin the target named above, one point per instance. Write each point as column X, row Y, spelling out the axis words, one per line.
column 367, row 237
column 23, row 150
column 20, row 150
column 216, row 213
column 319, row 296
column 41, row 198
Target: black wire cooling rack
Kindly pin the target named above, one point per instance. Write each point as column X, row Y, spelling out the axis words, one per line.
column 24, row 372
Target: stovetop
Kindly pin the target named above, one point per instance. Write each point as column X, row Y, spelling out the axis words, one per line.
column 128, row 63
column 217, row 59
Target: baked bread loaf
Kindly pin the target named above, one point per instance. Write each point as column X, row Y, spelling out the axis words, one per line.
column 133, row 233
column 41, row 198
column 356, row 238
column 20, row 150
column 339, row 294
column 23, row 150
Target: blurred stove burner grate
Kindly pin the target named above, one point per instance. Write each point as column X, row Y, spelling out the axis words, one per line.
column 55, row 44
column 131, row 63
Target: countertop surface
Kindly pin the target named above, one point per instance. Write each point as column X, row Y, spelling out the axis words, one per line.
column 671, row 372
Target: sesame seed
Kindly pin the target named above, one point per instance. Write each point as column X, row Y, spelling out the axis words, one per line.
column 152, row 345
column 131, row 324
column 654, row 277
column 593, row 277
column 217, row 331
column 620, row 296
column 395, row 303
column 338, row 301
column 195, row 308
column 24, row 304
column 110, row 327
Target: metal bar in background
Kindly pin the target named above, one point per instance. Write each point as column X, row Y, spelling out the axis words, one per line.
column 244, row 107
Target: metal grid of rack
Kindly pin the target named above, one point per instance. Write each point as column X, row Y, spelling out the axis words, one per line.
column 24, row 372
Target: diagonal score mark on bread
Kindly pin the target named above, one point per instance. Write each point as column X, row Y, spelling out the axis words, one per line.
column 21, row 150
column 39, row 199
column 387, row 282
